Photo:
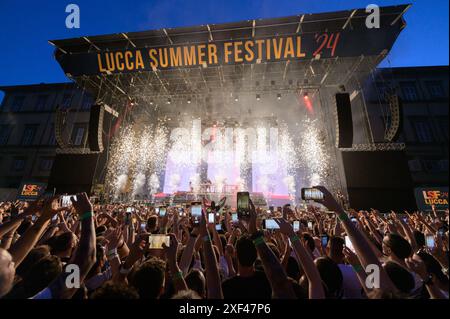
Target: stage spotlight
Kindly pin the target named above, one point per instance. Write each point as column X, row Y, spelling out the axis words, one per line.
column 279, row 96
column 258, row 97
column 169, row 101
column 151, row 102
column 236, row 99
column 189, row 100
column 305, row 96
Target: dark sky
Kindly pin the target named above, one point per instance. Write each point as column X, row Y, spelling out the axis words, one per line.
column 25, row 26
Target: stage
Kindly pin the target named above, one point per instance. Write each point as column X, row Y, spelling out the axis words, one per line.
column 244, row 106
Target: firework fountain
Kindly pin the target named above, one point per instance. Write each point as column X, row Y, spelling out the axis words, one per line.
column 150, row 159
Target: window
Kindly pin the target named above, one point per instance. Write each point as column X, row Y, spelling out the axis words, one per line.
column 28, row 134
column 78, row 135
column 51, row 136
column 409, row 91
column 18, row 164
column 41, row 102
column 87, row 102
column 5, row 132
column 432, row 166
column 46, row 163
column 66, row 101
column 423, row 130
column 435, row 89
column 17, row 103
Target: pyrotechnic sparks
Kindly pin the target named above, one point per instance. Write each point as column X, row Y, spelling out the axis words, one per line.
column 140, row 156
column 313, row 153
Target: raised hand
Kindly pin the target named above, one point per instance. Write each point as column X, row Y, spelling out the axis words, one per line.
column 202, row 227
column 33, row 207
column 416, row 264
column 350, row 256
column 50, row 208
column 81, row 204
column 137, row 250
column 328, row 200
column 252, row 220
column 171, row 250
column 113, row 236
column 285, row 227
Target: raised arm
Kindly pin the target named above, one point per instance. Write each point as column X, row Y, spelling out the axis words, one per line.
column 20, row 249
column 211, row 268
column 281, row 286
column 360, row 244
column 171, row 255
column 188, row 252
column 113, row 237
column 416, row 264
column 84, row 257
column 315, row 282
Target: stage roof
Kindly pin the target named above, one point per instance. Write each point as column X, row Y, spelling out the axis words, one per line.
column 361, row 49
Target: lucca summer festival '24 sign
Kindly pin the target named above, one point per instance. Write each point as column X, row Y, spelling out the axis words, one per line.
column 437, row 196
column 246, row 51
column 31, row 191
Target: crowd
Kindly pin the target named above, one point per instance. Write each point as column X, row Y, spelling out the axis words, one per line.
column 111, row 251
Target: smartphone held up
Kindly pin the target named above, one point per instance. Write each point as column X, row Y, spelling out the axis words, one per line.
column 243, row 204
column 311, row 194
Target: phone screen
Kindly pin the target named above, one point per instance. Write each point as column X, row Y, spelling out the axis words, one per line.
column 296, row 225
column 271, row 224
column 156, row 241
column 324, row 240
column 310, row 225
column 129, row 209
column 218, row 227
column 234, row 217
column 311, row 194
column 211, row 218
column 33, row 218
column 143, row 226
column 65, row 200
column 196, row 212
column 430, row 241
column 162, row 211
column 243, row 203
column 349, row 244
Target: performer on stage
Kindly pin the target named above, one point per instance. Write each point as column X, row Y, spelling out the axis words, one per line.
column 208, row 185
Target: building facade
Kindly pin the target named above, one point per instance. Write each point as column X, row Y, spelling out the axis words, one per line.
column 424, row 92
column 27, row 130
column 27, row 124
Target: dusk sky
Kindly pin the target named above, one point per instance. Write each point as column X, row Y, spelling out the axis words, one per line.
column 26, row 56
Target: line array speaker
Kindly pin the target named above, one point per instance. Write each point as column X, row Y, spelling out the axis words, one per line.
column 344, row 125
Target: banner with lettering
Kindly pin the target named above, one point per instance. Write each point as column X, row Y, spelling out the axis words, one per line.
column 346, row 43
column 437, row 196
column 30, row 191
